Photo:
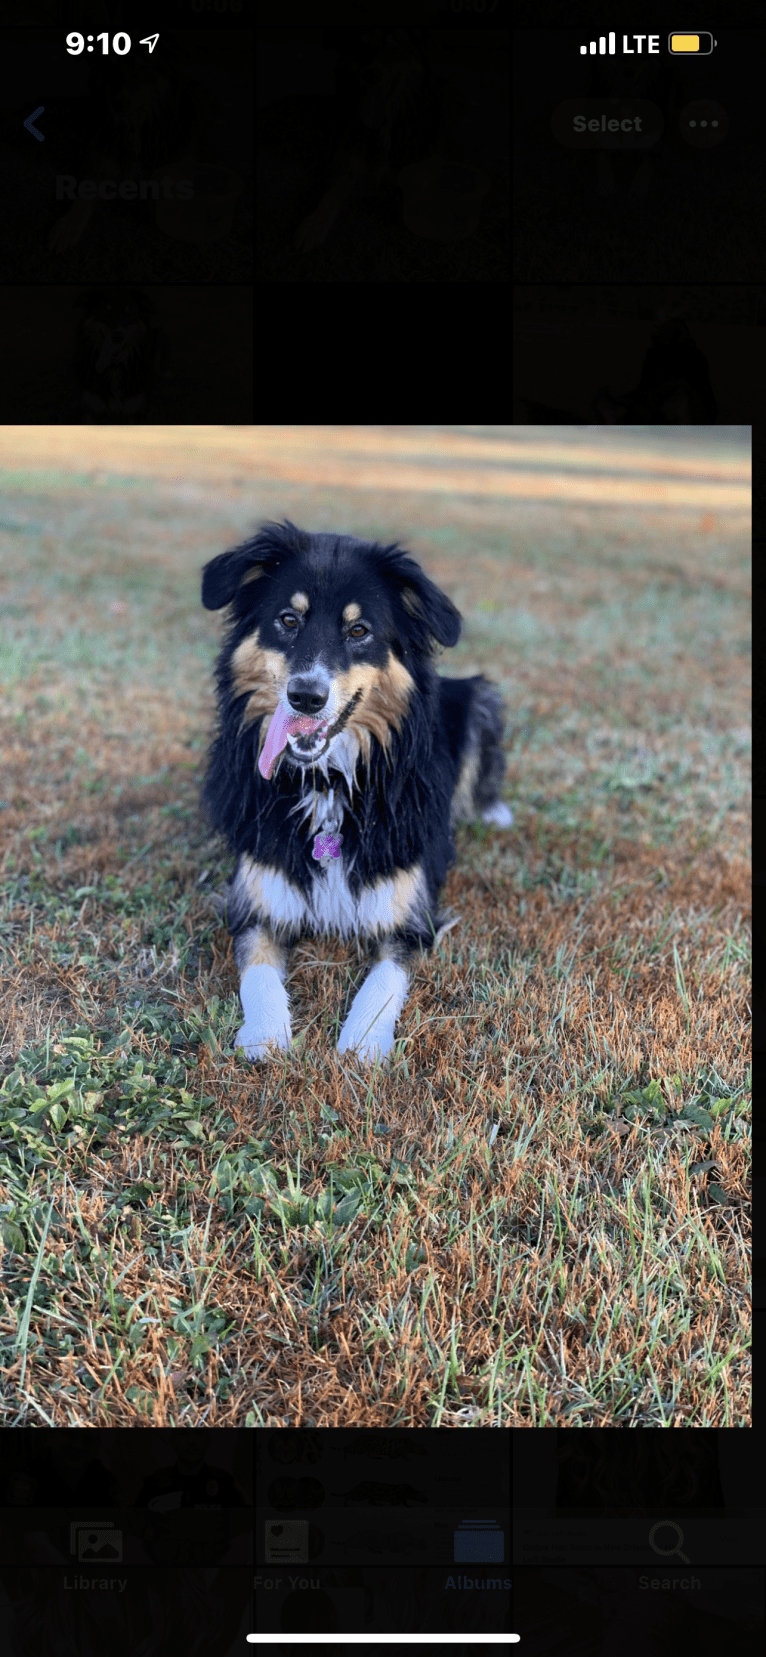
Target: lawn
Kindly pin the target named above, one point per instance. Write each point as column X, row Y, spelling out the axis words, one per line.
column 539, row 1215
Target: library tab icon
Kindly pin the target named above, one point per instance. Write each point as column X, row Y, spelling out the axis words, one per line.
column 479, row 1540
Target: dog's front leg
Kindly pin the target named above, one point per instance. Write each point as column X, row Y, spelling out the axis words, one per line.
column 369, row 1028
column 262, row 965
column 267, row 1013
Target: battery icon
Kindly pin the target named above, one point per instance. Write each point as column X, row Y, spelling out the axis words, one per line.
column 700, row 43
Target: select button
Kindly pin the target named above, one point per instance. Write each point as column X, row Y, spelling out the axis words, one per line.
column 607, row 124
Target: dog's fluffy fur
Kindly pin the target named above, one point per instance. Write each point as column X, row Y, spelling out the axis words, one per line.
column 340, row 766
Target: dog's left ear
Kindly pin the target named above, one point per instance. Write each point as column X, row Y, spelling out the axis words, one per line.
column 430, row 613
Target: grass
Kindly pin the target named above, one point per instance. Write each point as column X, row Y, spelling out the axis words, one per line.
column 538, row 1216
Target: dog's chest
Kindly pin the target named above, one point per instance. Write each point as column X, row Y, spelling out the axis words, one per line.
column 328, row 903
column 332, row 906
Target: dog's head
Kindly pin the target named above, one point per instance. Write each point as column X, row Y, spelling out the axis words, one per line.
column 330, row 644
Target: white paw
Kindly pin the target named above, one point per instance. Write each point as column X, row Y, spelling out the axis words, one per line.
column 499, row 814
column 256, row 1040
column 369, row 1028
column 267, row 1013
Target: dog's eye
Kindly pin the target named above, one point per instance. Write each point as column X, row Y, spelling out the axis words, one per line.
column 288, row 620
column 358, row 630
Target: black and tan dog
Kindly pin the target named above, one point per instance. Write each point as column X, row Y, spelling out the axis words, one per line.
column 341, row 766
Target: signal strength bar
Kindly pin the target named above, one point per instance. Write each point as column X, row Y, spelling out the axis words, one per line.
column 601, row 46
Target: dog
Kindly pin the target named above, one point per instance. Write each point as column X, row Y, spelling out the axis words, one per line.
column 340, row 765
column 117, row 352
column 141, row 116
column 394, row 116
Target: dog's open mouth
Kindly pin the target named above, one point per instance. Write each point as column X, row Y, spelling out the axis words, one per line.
column 307, row 738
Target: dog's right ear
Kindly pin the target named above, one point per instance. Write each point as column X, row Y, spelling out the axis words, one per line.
column 232, row 575
column 223, row 577
column 219, row 582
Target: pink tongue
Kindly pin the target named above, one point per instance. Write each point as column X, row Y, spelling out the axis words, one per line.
column 283, row 725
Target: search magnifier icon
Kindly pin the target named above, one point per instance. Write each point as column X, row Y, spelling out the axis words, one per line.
column 675, row 1551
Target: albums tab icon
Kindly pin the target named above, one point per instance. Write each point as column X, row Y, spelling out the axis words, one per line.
column 479, row 1539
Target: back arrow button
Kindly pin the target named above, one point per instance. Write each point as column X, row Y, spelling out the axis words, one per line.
column 33, row 117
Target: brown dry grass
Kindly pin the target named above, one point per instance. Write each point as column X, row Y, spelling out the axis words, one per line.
column 539, row 1215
